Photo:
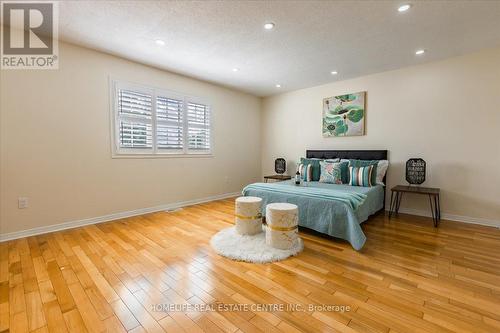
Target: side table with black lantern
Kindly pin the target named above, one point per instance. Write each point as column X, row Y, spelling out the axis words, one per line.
column 279, row 168
column 415, row 176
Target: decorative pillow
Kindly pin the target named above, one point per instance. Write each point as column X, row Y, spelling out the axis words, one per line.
column 361, row 176
column 331, row 172
column 345, row 171
column 314, row 162
column 362, row 163
column 382, row 167
column 305, row 171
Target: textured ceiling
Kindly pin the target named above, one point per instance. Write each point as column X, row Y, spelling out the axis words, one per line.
column 206, row 40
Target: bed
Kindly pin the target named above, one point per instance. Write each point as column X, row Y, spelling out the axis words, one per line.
column 331, row 209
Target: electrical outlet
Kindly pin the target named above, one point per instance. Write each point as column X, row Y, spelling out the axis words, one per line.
column 22, row 202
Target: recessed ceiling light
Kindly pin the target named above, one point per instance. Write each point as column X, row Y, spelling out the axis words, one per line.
column 419, row 52
column 160, row 42
column 235, row 69
column 278, row 86
column 334, row 72
column 269, row 26
column 404, row 8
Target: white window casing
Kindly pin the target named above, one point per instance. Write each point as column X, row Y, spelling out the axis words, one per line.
column 157, row 123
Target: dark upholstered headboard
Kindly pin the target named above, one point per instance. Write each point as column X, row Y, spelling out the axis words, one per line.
column 350, row 154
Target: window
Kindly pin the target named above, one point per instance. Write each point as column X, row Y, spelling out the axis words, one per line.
column 198, row 120
column 150, row 121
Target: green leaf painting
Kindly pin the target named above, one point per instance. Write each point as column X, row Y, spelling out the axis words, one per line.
column 344, row 115
column 346, row 98
column 356, row 115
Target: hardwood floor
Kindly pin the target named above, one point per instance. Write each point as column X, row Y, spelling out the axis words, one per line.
column 409, row 277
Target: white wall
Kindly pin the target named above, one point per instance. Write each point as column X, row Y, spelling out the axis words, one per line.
column 55, row 144
column 446, row 112
column 55, row 137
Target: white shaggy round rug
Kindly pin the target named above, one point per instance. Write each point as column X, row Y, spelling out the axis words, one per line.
column 230, row 244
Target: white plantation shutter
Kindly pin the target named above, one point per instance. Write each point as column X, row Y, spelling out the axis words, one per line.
column 154, row 122
column 169, row 117
column 135, row 135
column 134, row 103
column 198, row 127
column 135, row 128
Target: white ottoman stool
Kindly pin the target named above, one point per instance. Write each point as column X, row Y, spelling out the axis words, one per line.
column 282, row 225
column 248, row 215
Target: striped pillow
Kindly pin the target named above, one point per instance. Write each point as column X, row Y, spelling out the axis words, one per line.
column 361, row 176
column 305, row 171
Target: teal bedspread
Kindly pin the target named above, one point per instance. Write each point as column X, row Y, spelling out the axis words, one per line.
column 336, row 210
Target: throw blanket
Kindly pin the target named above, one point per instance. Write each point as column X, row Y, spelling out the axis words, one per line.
column 335, row 210
column 353, row 199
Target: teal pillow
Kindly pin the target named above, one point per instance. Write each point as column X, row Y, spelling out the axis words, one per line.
column 363, row 163
column 316, row 170
column 344, row 171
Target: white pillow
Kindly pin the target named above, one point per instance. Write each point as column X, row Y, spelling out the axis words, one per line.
column 381, row 170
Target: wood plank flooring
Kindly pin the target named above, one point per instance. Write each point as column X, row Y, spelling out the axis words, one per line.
column 409, row 277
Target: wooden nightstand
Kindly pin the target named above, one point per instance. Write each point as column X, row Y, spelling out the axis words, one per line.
column 278, row 178
column 431, row 192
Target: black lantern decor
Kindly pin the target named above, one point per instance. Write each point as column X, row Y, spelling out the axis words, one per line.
column 415, row 171
column 280, row 166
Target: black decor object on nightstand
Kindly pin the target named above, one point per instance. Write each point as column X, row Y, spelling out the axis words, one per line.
column 280, row 166
column 415, row 171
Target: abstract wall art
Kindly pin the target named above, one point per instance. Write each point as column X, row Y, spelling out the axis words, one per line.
column 344, row 115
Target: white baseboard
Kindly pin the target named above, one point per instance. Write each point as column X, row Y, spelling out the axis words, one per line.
column 110, row 217
column 141, row 211
column 452, row 217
